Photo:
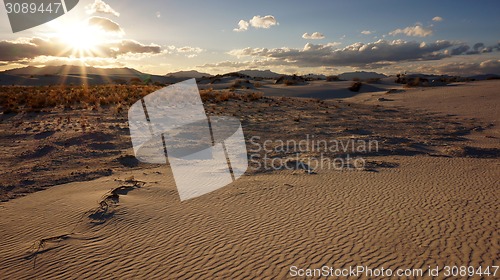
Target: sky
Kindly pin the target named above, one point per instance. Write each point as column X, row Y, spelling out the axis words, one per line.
column 293, row 37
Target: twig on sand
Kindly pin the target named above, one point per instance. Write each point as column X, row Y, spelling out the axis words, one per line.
column 40, row 244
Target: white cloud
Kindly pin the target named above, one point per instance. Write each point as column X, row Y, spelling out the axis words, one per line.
column 357, row 54
column 263, row 22
column 158, row 14
column 437, row 19
column 100, row 7
column 415, row 31
column 188, row 51
column 256, row 22
column 242, row 26
column 314, row 36
column 366, row 32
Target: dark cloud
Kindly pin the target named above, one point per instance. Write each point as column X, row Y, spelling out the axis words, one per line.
column 491, row 66
column 478, row 46
column 460, row 50
column 15, row 51
column 30, row 48
column 131, row 47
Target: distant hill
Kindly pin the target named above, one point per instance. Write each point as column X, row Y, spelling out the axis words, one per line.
column 484, row 77
column 362, row 75
column 72, row 70
column 188, row 74
column 268, row 74
column 77, row 75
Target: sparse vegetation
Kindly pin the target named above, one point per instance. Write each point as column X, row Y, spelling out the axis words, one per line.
column 236, row 85
column 332, row 78
column 223, row 96
column 14, row 99
column 373, row 80
column 290, row 80
column 355, row 86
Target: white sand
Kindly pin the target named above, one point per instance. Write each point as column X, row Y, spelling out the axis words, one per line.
column 426, row 211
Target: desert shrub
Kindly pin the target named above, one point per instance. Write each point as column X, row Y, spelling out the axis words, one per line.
column 255, row 96
column 135, row 81
column 289, row 82
column 373, row 80
column 257, row 84
column 355, row 86
column 400, row 79
column 236, row 85
column 224, row 96
column 416, row 82
column 207, row 95
column 332, row 78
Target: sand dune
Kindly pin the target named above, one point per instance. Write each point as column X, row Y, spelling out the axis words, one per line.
column 414, row 205
column 261, row 225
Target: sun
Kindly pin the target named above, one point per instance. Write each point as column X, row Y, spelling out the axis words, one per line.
column 83, row 40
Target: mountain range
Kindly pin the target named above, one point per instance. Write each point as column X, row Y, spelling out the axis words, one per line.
column 77, row 75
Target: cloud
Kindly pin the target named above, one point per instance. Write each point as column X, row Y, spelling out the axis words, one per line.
column 490, row 66
column 478, row 46
column 100, row 7
column 358, row 54
column 105, row 24
column 158, row 14
column 25, row 49
column 414, row 31
column 437, row 19
column 366, row 32
column 314, row 36
column 189, row 49
column 57, row 61
column 242, row 26
column 131, row 47
column 460, row 50
column 234, row 65
column 190, row 52
column 463, row 68
column 263, row 22
column 31, row 48
column 256, row 22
